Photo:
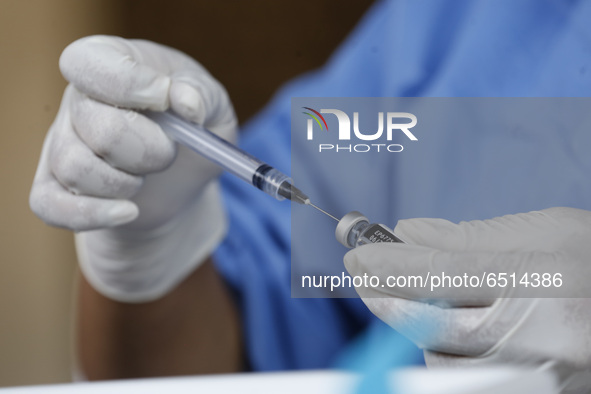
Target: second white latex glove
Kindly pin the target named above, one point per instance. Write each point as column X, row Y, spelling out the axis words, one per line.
column 146, row 212
column 479, row 326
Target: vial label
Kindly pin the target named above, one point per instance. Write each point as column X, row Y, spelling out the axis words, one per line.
column 377, row 233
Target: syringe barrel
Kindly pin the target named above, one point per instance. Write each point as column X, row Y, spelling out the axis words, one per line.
column 221, row 152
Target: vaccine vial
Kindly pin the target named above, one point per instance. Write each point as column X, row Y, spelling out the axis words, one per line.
column 354, row 230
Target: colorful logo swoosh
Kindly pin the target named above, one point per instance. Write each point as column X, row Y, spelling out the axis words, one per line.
column 316, row 118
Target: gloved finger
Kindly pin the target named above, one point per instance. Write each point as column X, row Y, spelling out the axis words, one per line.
column 458, row 331
column 81, row 172
column 77, row 168
column 112, row 70
column 533, row 338
column 58, row 207
column 460, row 278
column 506, row 233
column 123, row 138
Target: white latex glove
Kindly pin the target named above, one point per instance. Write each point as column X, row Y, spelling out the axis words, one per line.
column 479, row 326
column 153, row 207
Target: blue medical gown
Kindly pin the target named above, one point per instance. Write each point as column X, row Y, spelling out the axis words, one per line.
column 410, row 48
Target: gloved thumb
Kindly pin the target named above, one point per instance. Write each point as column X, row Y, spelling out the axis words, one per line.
column 193, row 93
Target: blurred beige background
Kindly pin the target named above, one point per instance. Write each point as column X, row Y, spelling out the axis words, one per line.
column 36, row 262
column 251, row 46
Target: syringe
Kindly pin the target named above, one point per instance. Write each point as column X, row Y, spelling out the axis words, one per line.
column 352, row 230
column 230, row 158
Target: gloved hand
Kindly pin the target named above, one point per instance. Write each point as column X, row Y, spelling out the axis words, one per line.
column 478, row 326
column 153, row 208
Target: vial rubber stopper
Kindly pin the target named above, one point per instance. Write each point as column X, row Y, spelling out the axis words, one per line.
column 345, row 226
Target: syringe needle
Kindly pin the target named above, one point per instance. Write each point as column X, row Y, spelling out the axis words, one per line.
column 291, row 192
column 321, row 210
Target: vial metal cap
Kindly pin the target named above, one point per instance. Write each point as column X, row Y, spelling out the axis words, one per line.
column 345, row 226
